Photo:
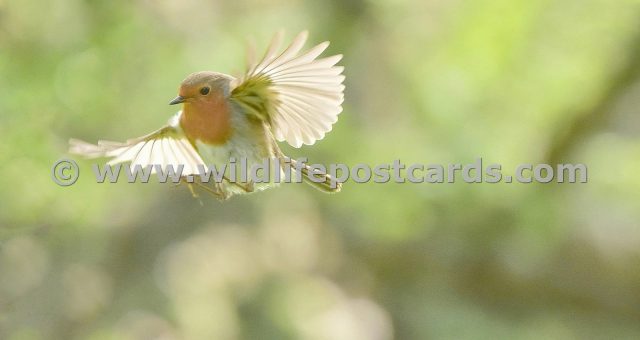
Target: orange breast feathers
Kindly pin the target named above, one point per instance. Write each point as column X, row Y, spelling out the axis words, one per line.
column 207, row 119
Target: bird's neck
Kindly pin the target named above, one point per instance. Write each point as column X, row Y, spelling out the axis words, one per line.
column 207, row 121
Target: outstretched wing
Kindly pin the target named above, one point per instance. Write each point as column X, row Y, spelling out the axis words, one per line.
column 298, row 95
column 166, row 146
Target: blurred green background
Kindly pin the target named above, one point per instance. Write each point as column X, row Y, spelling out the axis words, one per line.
column 431, row 81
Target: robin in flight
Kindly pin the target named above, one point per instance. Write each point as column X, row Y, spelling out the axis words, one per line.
column 287, row 96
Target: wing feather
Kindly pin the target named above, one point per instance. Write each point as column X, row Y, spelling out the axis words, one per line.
column 270, row 55
column 166, row 146
column 299, row 95
column 289, row 53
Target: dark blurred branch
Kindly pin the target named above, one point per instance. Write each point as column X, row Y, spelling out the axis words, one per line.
column 586, row 123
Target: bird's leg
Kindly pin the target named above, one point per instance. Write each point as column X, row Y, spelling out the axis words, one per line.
column 217, row 190
column 222, row 194
column 193, row 192
column 247, row 187
column 183, row 180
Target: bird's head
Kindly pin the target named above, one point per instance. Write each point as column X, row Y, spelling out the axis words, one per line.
column 203, row 87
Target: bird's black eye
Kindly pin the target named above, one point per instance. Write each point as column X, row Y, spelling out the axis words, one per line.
column 204, row 91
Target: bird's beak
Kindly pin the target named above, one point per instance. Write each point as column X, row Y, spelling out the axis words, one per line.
column 177, row 100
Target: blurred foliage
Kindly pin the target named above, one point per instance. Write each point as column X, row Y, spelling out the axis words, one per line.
column 430, row 81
